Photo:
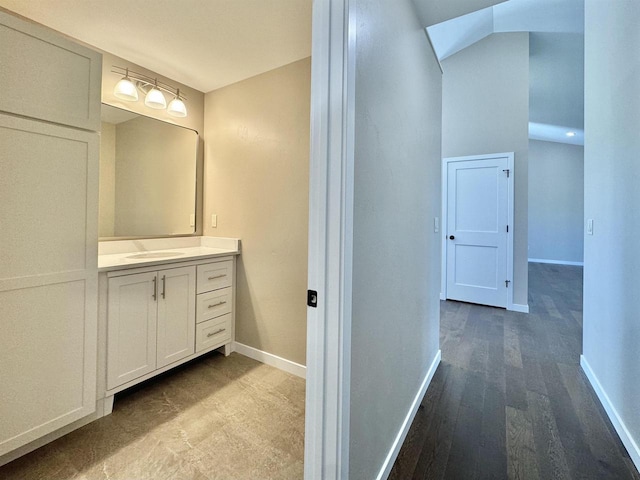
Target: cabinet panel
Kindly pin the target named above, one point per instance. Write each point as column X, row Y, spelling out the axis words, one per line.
column 176, row 314
column 132, row 312
column 48, row 197
column 48, row 77
column 213, row 276
column 214, row 304
column 43, row 361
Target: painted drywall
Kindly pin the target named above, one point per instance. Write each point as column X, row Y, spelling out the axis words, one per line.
column 611, row 325
column 556, row 79
column 256, row 182
column 556, row 202
column 194, row 120
column 485, row 109
column 431, row 12
column 107, row 179
column 396, row 254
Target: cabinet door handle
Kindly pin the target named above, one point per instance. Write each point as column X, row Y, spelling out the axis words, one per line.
column 217, row 304
column 217, row 276
column 155, row 289
column 212, row 334
column 164, row 286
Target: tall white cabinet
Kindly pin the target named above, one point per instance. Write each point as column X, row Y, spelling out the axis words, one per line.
column 49, row 115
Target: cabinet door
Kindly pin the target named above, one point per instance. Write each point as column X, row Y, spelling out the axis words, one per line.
column 48, row 277
column 48, row 77
column 176, row 314
column 132, row 312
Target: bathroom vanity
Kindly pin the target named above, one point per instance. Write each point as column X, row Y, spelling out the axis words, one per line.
column 162, row 302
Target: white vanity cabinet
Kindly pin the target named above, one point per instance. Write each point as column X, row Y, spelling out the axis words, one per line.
column 159, row 317
column 151, row 322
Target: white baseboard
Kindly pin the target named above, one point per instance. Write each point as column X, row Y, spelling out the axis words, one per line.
column 406, row 425
column 270, row 359
column 626, row 438
column 556, row 262
column 516, row 307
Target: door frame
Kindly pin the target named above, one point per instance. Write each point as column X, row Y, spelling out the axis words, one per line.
column 331, row 186
column 510, row 217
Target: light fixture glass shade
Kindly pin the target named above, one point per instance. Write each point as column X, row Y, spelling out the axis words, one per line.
column 155, row 99
column 126, row 90
column 177, row 108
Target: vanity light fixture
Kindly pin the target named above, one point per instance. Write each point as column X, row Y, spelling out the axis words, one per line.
column 127, row 89
column 155, row 98
column 176, row 107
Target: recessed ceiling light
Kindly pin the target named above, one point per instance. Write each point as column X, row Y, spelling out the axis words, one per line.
column 571, row 134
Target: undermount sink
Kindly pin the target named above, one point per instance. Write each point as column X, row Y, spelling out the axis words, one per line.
column 138, row 256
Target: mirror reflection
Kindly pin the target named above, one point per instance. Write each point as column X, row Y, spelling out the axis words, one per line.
column 147, row 176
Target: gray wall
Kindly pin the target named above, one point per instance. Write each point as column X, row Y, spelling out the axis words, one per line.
column 556, row 201
column 556, row 79
column 485, row 109
column 257, row 183
column 612, row 196
column 396, row 267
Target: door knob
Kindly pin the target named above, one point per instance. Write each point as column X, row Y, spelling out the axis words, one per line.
column 451, row 237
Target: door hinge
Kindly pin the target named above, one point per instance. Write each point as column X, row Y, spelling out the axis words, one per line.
column 312, row 298
column 506, row 283
column 507, row 172
column 507, row 228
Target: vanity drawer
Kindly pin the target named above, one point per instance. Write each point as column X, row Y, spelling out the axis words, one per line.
column 213, row 276
column 213, row 332
column 213, row 304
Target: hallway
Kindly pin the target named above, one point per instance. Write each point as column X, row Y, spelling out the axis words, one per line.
column 509, row 399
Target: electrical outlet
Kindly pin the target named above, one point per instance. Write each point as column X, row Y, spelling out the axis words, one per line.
column 214, row 220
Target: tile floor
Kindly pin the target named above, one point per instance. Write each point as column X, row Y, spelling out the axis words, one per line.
column 215, row 418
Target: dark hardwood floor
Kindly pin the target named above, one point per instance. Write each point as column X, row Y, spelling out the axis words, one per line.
column 509, row 399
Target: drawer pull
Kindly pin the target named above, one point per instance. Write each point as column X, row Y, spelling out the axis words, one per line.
column 217, row 304
column 217, row 276
column 212, row 334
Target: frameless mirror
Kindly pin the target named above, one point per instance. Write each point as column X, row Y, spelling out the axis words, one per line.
column 147, row 176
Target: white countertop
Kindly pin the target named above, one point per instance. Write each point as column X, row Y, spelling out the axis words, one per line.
column 121, row 254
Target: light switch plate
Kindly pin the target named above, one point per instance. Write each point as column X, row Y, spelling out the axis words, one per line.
column 214, row 220
column 590, row 226
column 436, row 224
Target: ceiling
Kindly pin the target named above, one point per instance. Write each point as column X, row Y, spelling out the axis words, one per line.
column 556, row 57
column 205, row 44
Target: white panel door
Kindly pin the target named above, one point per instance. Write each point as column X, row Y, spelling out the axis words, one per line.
column 477, row 219
column 132, row 312
column 176, row 314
